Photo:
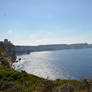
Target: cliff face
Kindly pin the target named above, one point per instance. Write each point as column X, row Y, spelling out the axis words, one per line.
column 6, row 59
column 9, row 48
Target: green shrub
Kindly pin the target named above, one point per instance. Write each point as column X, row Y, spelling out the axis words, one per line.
column 5, row 62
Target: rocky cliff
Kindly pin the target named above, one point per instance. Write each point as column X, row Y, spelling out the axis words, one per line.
column 9, row 48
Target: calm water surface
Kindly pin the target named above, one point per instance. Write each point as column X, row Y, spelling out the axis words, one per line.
column 63, row 64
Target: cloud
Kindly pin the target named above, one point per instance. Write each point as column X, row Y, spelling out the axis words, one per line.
column 9, row 32
column 43, row 38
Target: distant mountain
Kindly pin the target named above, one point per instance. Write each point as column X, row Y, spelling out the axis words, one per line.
column 28, row 49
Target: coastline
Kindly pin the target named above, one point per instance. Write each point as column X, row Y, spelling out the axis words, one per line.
column 20, row 81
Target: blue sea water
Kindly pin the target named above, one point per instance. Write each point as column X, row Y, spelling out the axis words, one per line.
column 62, row 64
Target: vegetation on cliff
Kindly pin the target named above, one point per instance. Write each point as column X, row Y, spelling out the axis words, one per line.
column 11, row 80
column 9, row 48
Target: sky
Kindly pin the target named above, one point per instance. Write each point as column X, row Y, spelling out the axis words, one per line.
column 38, row 22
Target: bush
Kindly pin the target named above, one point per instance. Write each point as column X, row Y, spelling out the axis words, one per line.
column 5, row 62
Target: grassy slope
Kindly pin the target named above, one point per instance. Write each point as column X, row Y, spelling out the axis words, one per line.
column 11, row 80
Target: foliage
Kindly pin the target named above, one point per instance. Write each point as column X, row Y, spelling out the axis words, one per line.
column 11, row 80
column 5, row 62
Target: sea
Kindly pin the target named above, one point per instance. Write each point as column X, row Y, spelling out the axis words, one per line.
column 60, row 64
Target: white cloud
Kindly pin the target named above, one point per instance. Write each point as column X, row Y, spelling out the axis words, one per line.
column 9, row 32
column 43, row 38
column 44, row 41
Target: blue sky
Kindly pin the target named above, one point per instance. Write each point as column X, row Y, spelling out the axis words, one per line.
column 34, row 22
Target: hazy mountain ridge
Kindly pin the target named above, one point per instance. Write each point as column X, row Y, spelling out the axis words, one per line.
column 28, row 49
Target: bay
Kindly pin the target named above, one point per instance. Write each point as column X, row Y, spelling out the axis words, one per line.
column 62, row 64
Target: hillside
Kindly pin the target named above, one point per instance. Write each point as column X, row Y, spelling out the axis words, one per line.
column 9, row 48
column 28, row 49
